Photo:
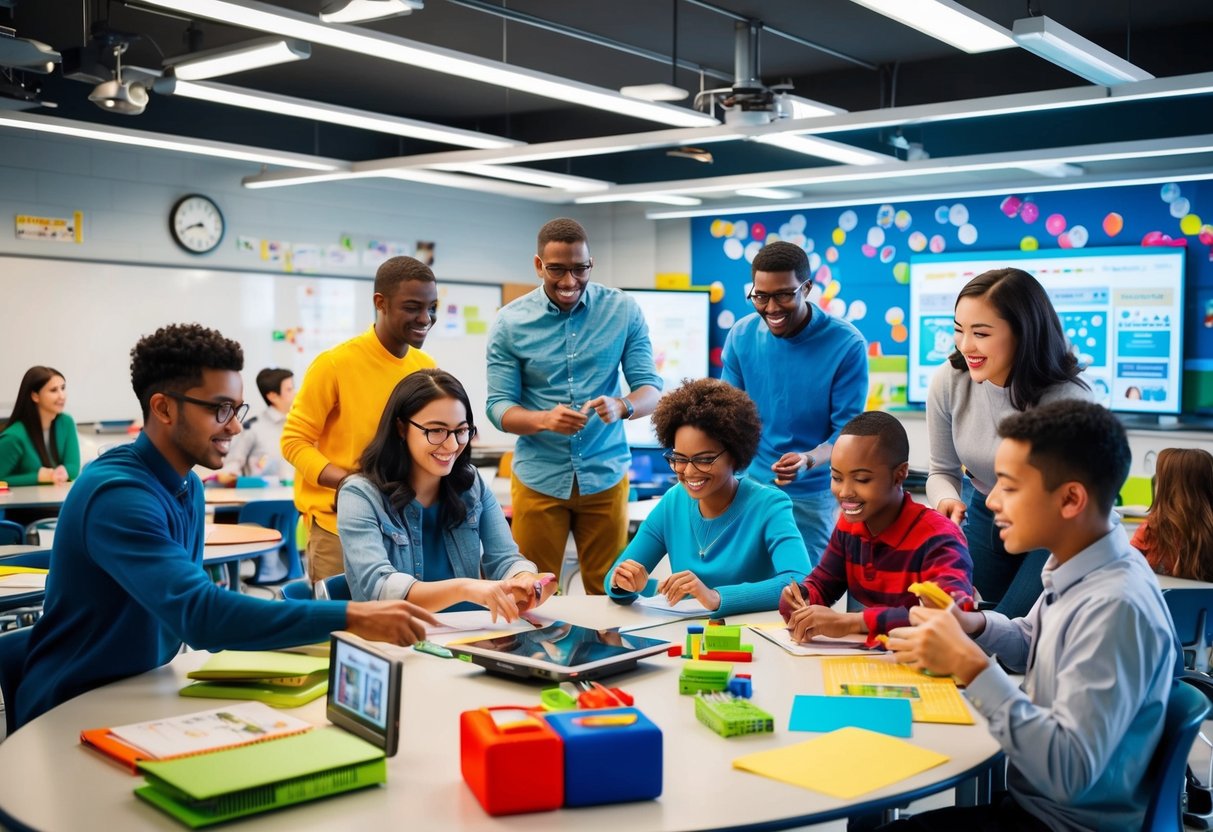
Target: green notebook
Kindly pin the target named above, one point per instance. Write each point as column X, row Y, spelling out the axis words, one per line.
column 279, row 696
column 213, row 788
column 284, row 680
column 258, row 665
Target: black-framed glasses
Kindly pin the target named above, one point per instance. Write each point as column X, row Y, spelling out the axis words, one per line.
column 702, row 463
column 224, row 411
column 781, row 298
column 578, row 270
column 437, row 436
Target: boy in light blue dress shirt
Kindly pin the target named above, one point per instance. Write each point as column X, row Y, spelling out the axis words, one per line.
column 1098, row 650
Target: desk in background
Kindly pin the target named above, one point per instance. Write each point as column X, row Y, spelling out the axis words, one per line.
column 425, row 789
column 34, row 496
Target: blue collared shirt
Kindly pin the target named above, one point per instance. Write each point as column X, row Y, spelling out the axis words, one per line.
column 540, row 356
column 1099, row 652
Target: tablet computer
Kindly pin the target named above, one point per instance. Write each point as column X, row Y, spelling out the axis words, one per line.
column 364, row 691
column 560, row 652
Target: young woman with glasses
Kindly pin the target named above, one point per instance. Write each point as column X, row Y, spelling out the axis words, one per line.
column 733, row 543
column 417, row 521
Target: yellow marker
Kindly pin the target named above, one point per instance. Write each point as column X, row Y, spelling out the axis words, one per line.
column 930, row 590
column 606, row 720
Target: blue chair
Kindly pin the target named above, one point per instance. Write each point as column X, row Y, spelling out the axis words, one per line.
column 335, row 588
column 297, row 590
column 1193, row 624
column 1186, row 709
column 26, row 607
column 281, row 516
column 14, row 645
column 11, row 534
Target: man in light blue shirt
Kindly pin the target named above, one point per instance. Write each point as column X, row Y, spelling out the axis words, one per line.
column 808, row 373
column 554, row 358
column 1098, row 649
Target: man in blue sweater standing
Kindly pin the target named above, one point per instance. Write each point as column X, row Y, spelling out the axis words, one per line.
column 808, row 373
column 126, row 585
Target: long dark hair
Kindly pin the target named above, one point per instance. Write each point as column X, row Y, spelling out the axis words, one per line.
column 25, row 411
column 386, row 462
column 1042, row 357
column 1179, row 531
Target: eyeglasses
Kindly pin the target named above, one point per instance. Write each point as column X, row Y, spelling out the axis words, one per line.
column 578, row 270
column 702, row 463
column 782, row 298
column 437, row 436
column 224, row 411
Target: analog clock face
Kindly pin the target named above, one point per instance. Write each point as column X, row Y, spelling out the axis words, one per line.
column 196, row 224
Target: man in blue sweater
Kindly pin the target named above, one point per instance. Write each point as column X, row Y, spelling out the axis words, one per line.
column 126, row 585
column 808, row 373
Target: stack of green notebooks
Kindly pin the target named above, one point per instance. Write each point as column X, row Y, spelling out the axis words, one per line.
column 224, row 785
column 284, row 680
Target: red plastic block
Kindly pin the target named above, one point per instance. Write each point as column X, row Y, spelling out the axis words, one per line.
column 512, row 763
column 727, row 656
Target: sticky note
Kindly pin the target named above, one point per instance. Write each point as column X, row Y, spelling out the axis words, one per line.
column 829, row 713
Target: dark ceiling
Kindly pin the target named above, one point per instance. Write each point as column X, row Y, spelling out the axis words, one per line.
column 866, row 62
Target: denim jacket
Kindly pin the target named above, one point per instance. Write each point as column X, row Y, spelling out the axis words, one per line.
column 383, row 556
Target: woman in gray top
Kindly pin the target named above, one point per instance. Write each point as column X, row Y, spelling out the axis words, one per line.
column 1010, row 356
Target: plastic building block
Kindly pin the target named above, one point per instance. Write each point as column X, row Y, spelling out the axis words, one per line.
column 511, row 760
column 727, row 656
column 700, row 675
column 741, row 686
column 731, row 717
column 610, row 756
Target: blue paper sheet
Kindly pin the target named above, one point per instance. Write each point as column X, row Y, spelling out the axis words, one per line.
column 829, row 713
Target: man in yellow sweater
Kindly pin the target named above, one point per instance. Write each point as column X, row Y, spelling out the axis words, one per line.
column 342, row 398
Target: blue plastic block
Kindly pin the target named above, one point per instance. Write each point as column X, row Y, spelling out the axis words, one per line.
column 741, row 687
column 609, row 764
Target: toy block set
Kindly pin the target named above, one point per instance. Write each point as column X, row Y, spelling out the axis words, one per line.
column 715, row 643
column 516, row 760
column 730, row 716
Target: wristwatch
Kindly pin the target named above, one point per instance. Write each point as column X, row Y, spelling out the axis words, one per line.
column 628, row 409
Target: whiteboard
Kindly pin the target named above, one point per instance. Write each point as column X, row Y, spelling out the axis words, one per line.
column 83, row 318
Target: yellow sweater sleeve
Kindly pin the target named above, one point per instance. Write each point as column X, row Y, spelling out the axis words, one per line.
column 316, row 399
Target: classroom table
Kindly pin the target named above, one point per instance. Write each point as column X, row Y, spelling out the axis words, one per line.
column 33, row 496
column 240, row 496
column 52, row 783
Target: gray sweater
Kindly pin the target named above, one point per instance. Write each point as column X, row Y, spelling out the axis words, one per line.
column 962, row 427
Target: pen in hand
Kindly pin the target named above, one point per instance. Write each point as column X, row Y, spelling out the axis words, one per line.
column 794, row 597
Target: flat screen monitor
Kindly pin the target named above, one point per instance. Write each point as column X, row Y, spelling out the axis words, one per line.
column 678, row 328
column 1121, row 310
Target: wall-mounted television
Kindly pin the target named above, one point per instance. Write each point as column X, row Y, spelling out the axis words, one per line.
column 1121, row 309
column 678, row 328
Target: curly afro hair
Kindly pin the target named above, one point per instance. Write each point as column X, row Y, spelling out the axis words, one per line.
column 718, row 409
column 173, row 358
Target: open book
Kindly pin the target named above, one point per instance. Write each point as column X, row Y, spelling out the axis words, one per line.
column 234, row 725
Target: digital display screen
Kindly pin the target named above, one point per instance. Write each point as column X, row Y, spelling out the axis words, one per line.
column 567, row 645
column 361, row 686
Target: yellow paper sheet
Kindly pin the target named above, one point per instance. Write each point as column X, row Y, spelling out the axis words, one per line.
column 844, row 764
column 939, row 700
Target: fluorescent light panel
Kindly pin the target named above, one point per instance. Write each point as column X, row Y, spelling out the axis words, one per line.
column 530, row 176
column 947, row 21
column 158, row 141
column 334, row 114
column 240, row 57
column 359, row 11
column 800, row 107
column 1050, row 40
column 824, row 149
column 267, row 18
column 768, row 193
column 660, row 198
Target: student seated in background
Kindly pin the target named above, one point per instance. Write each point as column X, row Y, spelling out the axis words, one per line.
column 1177, row 535
column 733, row 543
column 883, row 541
column 127, row 585
column 1097, row 650
column 257, row 450
column 418, row 522
column 39, row 443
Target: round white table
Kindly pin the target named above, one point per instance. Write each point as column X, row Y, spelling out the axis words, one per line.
column 34, row 496
column 51, row 782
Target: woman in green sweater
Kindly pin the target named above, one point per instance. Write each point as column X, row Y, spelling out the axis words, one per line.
column 39, row 444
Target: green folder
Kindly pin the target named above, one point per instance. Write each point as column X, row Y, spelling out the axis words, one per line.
column 284, row 680
column 260, row 665
column 278, row 696
column 224, row 785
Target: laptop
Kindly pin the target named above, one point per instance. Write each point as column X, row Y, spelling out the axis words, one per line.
column 560, row 652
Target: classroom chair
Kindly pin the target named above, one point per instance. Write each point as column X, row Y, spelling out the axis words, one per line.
column 1190, row 611
column 34, row 532
column 300, row 590
column 1186, row 709
column 24, row 608
column 334, row 588
column 13, row 647
column 11, row 534
column 281, row 516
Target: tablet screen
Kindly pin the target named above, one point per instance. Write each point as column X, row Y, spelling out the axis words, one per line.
column 362, row 683
column 568, row 645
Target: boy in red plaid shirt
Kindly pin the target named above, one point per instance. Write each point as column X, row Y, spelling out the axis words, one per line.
column 882, row 543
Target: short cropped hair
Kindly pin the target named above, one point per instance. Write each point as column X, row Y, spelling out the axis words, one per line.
column 395, row 270
column 561, row 230
column 891, row 434
column 718, row 409
column 1074, row 441
column 782, row 257
column 270, row 380
column 173, row 357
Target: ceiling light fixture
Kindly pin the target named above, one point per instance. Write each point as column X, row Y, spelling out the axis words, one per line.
column 947, row 21
column 118, row 96
column 659, row 198
column 1050, row 40
column 530, row 176
column 26, row 53
column 239, row 57
column 360, row 11
column 768, row 193
column 331, row 114
column 795, row 106
column 159, row 141
column 287, row 23
column 824, row 149
column 655, row 92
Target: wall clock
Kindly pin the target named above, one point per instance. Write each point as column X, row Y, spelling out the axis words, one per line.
column 196, row 224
